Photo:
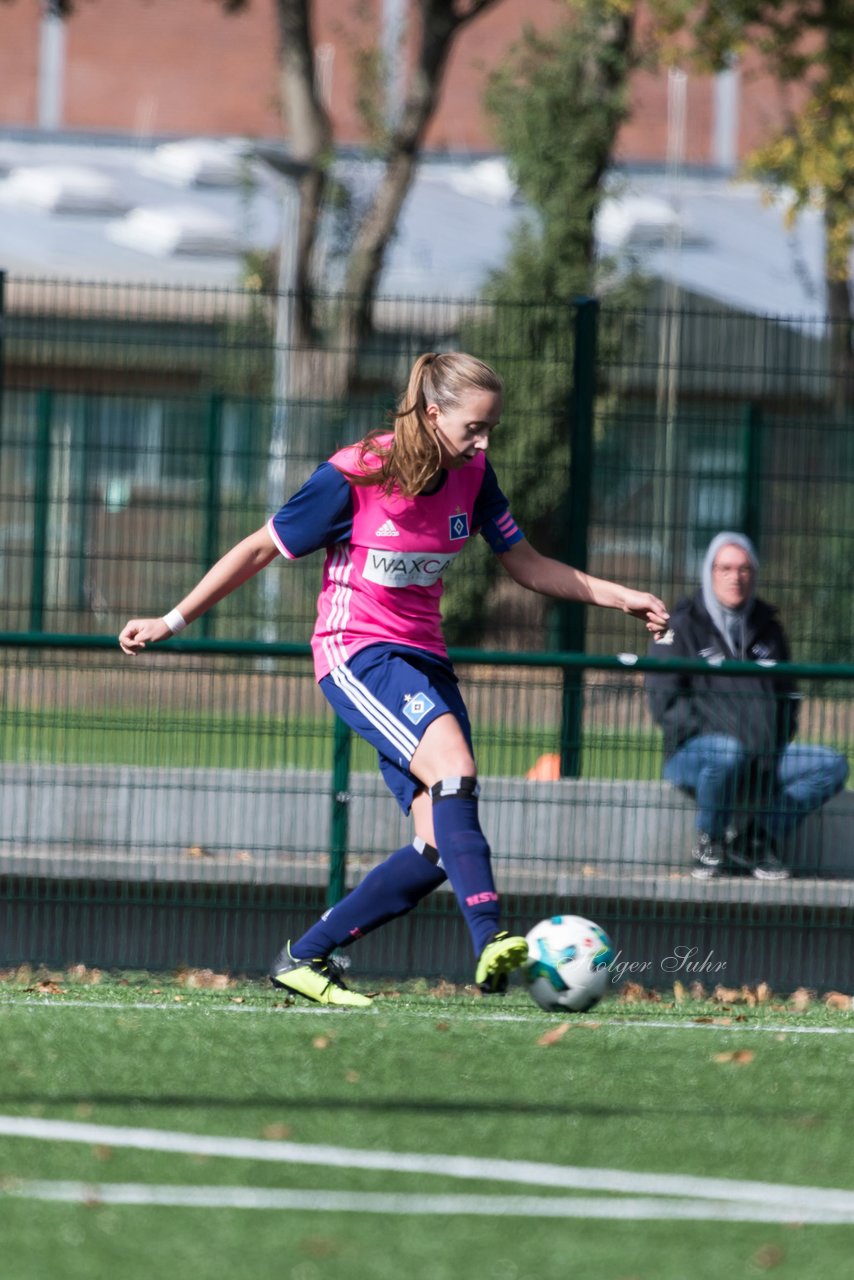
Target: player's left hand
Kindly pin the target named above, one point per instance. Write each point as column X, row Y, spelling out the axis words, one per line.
column 648, row 609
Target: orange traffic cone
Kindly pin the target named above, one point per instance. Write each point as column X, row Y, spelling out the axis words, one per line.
column 546, row 769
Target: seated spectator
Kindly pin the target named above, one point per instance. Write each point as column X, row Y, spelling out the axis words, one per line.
column 729, row 740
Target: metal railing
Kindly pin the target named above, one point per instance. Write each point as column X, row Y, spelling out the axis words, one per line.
column 208, row 779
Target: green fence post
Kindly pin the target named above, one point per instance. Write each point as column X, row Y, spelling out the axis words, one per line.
column 79, row 507
column 213, row 497
column 752, row 483
column 41, row 508
column 571, row 616
column 340, row 812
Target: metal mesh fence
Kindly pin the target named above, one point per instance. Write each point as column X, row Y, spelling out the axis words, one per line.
column 141, row 438
column 201, row 804
column 213, row 785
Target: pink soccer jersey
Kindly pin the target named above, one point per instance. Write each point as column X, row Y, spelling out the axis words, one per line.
column 382, row 580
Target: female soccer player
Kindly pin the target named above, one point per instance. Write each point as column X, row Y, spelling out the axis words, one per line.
column 393, row 513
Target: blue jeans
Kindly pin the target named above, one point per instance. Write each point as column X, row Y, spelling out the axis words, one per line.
column 783, row 788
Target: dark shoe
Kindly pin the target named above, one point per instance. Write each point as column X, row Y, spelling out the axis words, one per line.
column 738, row 850
column 501, row 955
column 766, row 865
column 319, row 980
column 708, row 857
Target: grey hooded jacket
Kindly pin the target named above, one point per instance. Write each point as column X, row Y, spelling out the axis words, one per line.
column 759, row 710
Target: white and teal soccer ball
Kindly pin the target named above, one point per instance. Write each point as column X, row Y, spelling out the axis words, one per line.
column 567, row 965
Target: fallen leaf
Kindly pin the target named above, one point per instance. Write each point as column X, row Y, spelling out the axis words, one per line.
column 101, row 1152
column 352, row 1077
column 276, row 1132
column 643, row 995
column 726, row 995
column 79, row 973
column 554, row 1034
column 197, row 851
column 319, row 1247
column 321, row 1042
column 801, row 999
column 679, row 992
column 204, row 979
column 740, row 1057
column 838, row 1000
column 442, row 990
column 443, row 1026
column 770, row 1255
column 632, row 993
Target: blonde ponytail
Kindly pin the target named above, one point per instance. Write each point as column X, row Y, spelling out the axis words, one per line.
column 412, row 459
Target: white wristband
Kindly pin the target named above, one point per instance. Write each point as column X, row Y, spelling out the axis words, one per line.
column 174, row 621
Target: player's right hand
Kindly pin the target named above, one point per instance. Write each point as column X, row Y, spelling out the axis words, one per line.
column 139, row 632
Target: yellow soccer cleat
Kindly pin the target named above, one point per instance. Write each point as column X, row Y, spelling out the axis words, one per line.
column 319, row 980
column 501, row 955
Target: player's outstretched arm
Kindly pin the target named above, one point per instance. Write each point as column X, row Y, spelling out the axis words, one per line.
column 236, row 567
column 552, row 578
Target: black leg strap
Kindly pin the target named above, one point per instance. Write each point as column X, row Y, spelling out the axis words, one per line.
column 454, row 787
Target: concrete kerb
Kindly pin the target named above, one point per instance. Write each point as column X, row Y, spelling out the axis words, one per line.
column 268, row 826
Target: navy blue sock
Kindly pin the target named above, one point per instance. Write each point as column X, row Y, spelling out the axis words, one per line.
column 390, row 890
column 465, row 855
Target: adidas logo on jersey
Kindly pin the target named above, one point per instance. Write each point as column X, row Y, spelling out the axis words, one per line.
column 386, row 530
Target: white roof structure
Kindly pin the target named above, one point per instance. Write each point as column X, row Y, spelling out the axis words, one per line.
column 61, row 188
column 176, row 229
column 200, row 162
column 59, row 199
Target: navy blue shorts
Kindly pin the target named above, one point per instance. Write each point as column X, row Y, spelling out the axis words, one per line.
column 389, row 694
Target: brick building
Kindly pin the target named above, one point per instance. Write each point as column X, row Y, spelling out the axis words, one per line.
column 155, row 68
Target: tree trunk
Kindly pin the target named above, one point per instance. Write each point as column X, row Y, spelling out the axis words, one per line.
column 839, row 307
column 441, row 20
column 310, row 132
column 606, row 71
column 312, row 141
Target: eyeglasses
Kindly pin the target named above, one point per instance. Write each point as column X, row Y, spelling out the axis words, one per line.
column 740, row 570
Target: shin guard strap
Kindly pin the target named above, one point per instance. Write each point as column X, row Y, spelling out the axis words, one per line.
column 446, row 787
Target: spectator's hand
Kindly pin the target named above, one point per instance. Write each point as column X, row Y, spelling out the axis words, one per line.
column 649, row 609
column 139, row 632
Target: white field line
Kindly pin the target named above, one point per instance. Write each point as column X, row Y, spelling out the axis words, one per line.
column 657, row 1024
column 217, row 1197
column 792, row 1198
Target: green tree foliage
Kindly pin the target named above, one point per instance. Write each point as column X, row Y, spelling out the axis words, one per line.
column 810, row 44
column 557, row 104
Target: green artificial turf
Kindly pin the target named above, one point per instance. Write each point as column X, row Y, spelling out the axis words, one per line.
column 759, row 1093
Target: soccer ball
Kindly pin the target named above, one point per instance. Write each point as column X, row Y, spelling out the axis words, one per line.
column 567, row 965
